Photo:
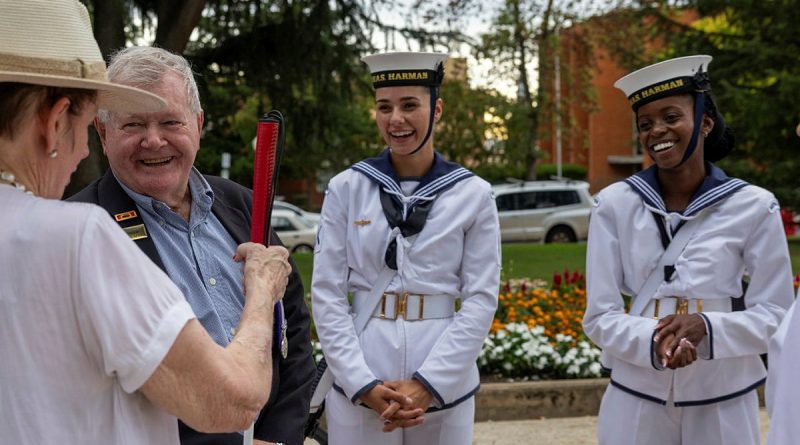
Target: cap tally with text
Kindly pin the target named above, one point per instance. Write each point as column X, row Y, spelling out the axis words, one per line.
column 674, row 76
column 406, row 69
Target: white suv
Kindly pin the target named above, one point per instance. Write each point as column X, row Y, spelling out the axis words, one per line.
column 549, row 211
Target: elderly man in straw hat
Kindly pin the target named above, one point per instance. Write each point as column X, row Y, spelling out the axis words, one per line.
column 190, row 224
column 96, row 343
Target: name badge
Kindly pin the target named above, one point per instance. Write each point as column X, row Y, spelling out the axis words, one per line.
column 136, row 232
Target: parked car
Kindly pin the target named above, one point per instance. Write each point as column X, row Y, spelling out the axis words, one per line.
column 549, row 211
column 283, row 205
column 297, row 233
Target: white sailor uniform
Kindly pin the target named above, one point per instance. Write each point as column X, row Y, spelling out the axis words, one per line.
column 711, row 401
column 455, row 255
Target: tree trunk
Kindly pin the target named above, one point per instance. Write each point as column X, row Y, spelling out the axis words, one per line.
column 520, row 39
column 109, row 25
column 176, row 21
column 545, row 67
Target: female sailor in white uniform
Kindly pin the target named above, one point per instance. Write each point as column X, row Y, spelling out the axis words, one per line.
column 423, row 233
column 685, row 363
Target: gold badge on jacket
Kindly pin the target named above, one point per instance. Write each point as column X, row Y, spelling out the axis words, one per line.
column 136, row 232
column 362, row 222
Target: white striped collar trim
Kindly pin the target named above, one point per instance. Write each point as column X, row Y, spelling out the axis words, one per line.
column 716, row 187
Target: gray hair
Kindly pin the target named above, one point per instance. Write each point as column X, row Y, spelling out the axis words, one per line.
column 145, row 66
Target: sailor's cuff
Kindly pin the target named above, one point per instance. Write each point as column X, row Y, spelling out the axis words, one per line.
column 705, row 349
column 356, row 399
column 438, row 401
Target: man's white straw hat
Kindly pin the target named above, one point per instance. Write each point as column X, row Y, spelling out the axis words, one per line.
column 50, row 42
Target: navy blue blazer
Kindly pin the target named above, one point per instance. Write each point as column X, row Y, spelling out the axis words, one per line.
column 284, row 416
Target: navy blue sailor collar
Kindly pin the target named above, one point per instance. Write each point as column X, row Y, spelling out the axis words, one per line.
column 716, row 187
column 442, row 176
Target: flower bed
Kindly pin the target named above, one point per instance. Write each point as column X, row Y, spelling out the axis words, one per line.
column 537, row 333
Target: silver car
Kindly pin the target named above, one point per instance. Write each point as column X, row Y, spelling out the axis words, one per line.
column 549, row 211
column 297, row 232
column 283, row 205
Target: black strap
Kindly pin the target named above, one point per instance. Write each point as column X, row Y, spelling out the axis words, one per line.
column 411, row 226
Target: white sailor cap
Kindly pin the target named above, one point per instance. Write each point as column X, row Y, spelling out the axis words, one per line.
column 668, row 78
column 406, row 69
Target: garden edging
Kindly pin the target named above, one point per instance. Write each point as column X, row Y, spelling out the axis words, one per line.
column 544, row 399
column 533, row 400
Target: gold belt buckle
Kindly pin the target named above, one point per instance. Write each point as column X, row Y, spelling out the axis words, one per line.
column 397, row 297
column 401, row 305
column 681, row 306
column 421, row 309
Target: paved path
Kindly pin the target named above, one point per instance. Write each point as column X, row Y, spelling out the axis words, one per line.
column 563, row 431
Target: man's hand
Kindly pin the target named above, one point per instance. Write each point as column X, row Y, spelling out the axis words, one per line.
column 266, row 269
column 421, row 399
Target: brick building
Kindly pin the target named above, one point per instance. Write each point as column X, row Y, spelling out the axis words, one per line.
column 597, row 125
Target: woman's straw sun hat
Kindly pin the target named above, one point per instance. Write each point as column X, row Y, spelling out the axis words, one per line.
column 50, row 42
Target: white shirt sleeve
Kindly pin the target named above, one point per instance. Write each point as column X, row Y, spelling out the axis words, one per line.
column 329, row 305
column 127, row 306
column 769, row 293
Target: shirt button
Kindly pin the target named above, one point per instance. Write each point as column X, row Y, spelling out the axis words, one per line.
column 162, row 222
column 212, row 281
column 233, row 331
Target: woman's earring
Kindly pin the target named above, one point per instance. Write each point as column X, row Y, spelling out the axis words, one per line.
column 53, row 154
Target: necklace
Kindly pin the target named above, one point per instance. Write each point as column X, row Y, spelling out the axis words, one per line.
column 10, row 179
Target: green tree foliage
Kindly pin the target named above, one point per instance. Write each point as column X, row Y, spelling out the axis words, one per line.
column 467, row 119
column 301, row 58
column 756, row 81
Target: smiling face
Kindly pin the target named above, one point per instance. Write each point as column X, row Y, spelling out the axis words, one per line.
column 153, row 153
column 402, row 116
column 665, row 129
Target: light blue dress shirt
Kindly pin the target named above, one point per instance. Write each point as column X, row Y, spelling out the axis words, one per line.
column 198, row 257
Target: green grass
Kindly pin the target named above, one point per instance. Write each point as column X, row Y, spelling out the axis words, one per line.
column 534, row 260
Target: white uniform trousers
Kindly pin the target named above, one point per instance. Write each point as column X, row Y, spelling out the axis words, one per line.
column 625, row 419
column 350, row 424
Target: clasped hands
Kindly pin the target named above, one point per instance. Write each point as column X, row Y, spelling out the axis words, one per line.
column 676, row 339
column 400, row 403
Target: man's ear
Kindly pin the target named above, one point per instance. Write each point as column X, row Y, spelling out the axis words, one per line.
column 54, row 122
column 200, row 117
